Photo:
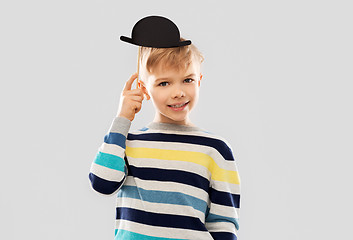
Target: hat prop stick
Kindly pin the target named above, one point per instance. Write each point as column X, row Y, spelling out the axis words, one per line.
column 155, row 32
column 138, row 65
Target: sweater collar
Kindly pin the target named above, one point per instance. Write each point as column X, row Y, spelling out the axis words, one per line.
column 172, row 126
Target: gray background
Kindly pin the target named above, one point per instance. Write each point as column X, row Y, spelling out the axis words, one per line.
column 277, row 85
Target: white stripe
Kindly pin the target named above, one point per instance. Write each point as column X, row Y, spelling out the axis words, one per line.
column 162, row 208
column 221, row 227
column 226, row 187
column 166, row 232
column 226, row 211
column 112, row 149
column 167, row 187
column 107, row 173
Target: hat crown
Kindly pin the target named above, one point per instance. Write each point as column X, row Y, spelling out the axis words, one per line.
column 159, row 29
column 155, row 31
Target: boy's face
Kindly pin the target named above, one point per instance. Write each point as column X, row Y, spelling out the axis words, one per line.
column 168, row 87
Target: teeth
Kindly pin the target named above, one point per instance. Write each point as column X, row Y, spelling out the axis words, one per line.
column 176, row 106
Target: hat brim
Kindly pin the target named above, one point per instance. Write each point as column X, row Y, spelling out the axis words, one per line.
column 130, row 40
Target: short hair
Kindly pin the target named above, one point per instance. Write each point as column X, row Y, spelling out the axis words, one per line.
column 178, row 58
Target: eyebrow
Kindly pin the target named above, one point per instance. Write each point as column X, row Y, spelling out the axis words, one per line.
column 190, row 75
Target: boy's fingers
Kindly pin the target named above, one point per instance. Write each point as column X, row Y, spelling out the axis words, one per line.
column 129, row 82
column 136, row 91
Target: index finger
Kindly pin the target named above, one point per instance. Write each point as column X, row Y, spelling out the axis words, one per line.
column 129, row 82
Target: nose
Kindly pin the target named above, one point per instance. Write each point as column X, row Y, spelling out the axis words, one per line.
column 178, row 92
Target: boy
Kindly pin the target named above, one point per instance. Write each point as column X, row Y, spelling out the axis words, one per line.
column 173, row 180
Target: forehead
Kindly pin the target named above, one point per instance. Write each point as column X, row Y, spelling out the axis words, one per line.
column 168, row 72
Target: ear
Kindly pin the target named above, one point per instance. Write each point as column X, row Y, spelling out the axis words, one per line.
column 200, row 79
column 141, row 85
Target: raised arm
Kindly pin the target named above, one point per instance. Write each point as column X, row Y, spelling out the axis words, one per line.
column 108, row 170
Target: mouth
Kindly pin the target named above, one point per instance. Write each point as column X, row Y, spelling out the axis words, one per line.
column 179, row 107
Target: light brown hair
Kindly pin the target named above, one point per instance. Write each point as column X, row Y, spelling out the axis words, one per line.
column 178, row 58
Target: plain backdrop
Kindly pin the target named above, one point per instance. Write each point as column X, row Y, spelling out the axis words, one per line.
column 277, row 84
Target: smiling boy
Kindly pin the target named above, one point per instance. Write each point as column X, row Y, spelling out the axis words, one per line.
column 172, row 179
column 174, row 87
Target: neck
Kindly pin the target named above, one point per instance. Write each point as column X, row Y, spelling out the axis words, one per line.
column 185, row 122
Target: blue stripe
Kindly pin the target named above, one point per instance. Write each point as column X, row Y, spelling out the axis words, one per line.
column 169, row 175
column 124, row 234
column 162, row 197
column 115, row 138
column 219, row 145
column 103, row 186
column 218, row 218
column 143, row 129
column 160, row 219
column 110, row 161
column 223, row 236
column 224, row 198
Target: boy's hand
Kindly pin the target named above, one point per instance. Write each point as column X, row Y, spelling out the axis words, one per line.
column 130, row 100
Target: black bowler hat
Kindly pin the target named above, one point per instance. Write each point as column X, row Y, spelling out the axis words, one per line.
column 156, row 32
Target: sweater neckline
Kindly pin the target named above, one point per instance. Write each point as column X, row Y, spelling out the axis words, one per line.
column 172, row 126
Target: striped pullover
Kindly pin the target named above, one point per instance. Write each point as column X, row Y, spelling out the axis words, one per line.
column 171, row 182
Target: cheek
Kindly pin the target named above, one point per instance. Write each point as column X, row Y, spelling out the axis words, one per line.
column 159, row 97
column 193, row 92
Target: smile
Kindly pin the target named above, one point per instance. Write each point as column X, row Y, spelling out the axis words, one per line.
column 178, row 107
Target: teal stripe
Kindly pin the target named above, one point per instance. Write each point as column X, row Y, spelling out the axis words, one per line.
column 110, row 161
column 124, row 234
column 218, row 218
column 162, row 197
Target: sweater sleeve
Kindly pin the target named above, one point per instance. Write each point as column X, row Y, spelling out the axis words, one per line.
column 108, row 169
column 222, row 217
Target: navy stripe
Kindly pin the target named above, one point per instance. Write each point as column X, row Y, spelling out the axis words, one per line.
column 219, row 145
column 160, row 219
column 224, row 198
column 168, row 175
column 103, row 186
column 115, row 138
column 223, row 236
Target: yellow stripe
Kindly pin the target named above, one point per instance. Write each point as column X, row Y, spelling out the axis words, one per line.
column 202, row 159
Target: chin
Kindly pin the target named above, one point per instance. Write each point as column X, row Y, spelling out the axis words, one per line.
column 179, row 119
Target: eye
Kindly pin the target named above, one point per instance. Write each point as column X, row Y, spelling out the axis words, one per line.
column 162, row 83
column 191, row 80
